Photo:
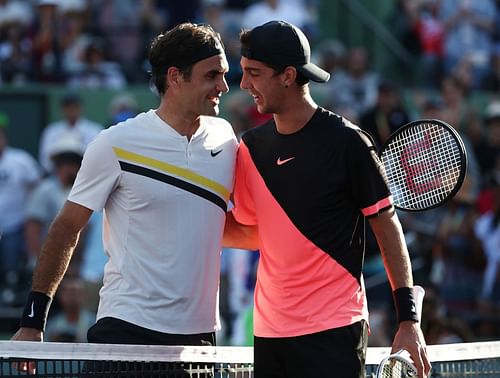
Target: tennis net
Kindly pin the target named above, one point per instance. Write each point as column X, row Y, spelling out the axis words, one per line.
column 110, row 360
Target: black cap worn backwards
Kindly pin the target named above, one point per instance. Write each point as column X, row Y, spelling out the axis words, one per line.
column 282, row 44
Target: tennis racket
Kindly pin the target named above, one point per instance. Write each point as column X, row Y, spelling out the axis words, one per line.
column 425, row 163
column 399, row 364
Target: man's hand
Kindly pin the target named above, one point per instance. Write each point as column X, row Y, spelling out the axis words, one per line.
column 410, row 338
column 27, row 334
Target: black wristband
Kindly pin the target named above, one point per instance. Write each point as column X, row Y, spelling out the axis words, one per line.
column 404, row 302
column 36, row 311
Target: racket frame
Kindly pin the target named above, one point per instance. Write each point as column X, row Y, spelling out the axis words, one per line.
column 461, row 148
column 401, row 356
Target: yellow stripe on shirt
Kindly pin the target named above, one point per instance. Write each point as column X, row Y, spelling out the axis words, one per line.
column 174, row 170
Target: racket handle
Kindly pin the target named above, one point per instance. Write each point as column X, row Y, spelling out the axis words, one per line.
column 418, row 294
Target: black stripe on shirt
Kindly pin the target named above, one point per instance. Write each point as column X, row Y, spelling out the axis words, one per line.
column 127, row 167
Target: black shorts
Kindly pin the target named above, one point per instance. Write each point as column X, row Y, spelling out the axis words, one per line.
column 338, row 352
column 115, row 331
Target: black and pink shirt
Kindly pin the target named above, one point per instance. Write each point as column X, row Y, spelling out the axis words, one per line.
column 309, row 192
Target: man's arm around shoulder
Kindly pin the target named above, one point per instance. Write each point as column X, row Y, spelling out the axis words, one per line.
column 238, row 235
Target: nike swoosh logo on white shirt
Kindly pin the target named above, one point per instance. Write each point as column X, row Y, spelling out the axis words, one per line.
column 281, row 162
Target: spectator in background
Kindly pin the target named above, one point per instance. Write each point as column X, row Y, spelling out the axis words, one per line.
column 430, row 33
column 354, row 91
column 439, row 327
column 496, row 33
column 120, row 22
column 96, row 72
column 242, row 272
column 331, row 55
column 491, row 82
column 244, row 114
column 15, row 47
column 48, row 49
column 379, row 327
column 489, row 147
column 487, row 230
column 19, row 172
column 402, row 21
column 458, row 257
column 455, row 106
column 213, row 14
column 294, row 12
column 457, row 112
column 71, row 323
column 15, row 9
column 154, row 17
column 50, row 195
column 73, row 123
column 122, row 107
column 468, row 34
column 488, row 152
column 74, row 25
column 386, row 116
column 449, row 330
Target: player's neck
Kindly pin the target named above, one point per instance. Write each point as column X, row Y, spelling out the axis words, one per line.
column 185, row 124
column 295, row 115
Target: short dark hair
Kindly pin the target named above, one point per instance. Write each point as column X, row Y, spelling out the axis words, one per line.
column 300, row 79
column 179, row 47
column 71, row 98
column 67, row 158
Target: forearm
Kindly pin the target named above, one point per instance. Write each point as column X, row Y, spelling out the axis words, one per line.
column 58, row 248
column 51, row 265
column 237, row 235
column 54, row 258
column 390, row 239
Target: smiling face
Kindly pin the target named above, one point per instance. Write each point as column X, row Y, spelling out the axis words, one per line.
column 263, row 84
column 201, row 90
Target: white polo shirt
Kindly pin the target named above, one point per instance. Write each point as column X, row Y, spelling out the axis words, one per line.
column 164, row 201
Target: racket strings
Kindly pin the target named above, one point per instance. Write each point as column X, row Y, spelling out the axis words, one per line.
column 423, row 165
column 397, row 367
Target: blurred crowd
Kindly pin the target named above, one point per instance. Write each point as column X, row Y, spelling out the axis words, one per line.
column 91, row 44
column 104, row 43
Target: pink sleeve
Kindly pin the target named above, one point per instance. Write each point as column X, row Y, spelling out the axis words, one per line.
column 244, row 206
column 379, row 206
